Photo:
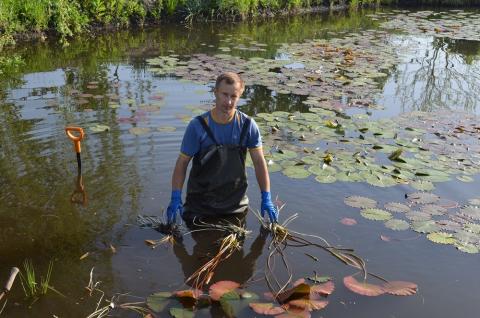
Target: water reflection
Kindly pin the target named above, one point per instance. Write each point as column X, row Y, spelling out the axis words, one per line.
column 238, row 267
column 438, row 73
column 79, row 194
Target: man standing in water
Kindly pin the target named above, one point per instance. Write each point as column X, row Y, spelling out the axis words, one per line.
column 218, row 141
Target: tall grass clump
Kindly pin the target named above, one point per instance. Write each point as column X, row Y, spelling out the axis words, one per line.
column 33, row 288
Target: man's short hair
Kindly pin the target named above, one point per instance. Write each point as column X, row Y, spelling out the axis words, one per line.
column 230, row 78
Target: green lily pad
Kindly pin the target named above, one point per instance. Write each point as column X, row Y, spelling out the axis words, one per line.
column 422, row 185
column 471, row 211
column 181, row 313
column 296, row 172
column 376, row 214
column 158, row 301
column 357, row 201
column 441, row 238
column 467, row 248
column 397, row 225
column 425, row 226
column 397, row 207
column 465, row 178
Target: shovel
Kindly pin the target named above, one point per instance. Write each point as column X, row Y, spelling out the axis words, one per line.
column 9, row 283
column 76, row 142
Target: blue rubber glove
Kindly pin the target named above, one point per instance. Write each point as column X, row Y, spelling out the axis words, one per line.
column 174, row 206
column 268, row 206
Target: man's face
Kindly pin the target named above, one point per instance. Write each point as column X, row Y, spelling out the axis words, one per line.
column 227, row 96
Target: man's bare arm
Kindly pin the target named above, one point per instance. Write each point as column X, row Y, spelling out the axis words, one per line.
column 180, row 171
column 261, row 171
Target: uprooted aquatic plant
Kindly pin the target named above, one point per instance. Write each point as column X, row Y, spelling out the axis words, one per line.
column 171, row 232
column 282, row 237
column 228, row 245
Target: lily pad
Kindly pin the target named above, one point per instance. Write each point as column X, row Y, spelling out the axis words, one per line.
column 467, row 248
column 356, row 201
column 441, row 238
column 376, row 214
column 181, row 313
column 266, row 308
column 397, row 225
column 296, row 172
column 422, row 185
column 400, row 288
column 158, row 301
column 166, row 129
column 99, row 128
column 425, row 226
column 221, row 288
column 423, row 197
column 397, row 207
column 363, row 288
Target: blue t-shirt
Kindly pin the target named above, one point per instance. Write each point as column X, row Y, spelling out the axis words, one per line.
column 196, row 138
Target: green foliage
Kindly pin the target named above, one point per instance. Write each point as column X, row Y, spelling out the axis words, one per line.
column 31, row 287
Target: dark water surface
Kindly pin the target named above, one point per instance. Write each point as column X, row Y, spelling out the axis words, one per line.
column 125, row 175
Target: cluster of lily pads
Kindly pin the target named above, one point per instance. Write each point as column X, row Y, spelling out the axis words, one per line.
column 297, row 301
column 346, row 67
column 455, row 24
column 443, row 221
column 415, row 148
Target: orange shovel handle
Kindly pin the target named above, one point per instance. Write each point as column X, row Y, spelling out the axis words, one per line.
column 76, row 139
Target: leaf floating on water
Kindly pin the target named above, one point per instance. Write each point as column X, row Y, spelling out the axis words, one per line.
column 397, row 207
column 425, row 226
column 308, row 304
column 319, row 279
column 475, row 201
column 441, row 238
column 423, row 197
column 356, row 201
column 400, row 288
column 166, row 129
column 324, row 289
column 301, row 290
column 189, row 294
column 266, row 309
column 465, row 178
column 467, row 248
column 397, row 225
column 220, row 288
column 348, row 221
column 422, row 185
column 363, row 288
column 471, row 211
column 158, row 301
column 376, row 214
column 181, row 313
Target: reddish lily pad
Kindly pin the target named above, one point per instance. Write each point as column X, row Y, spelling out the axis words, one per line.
column 348, row 221
column 400, row 288
column 308, row 304
column 363, row 288
column 218, row 289
column 266, row 308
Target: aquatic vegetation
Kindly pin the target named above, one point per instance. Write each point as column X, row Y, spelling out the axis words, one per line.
column 31, row 286
column 429, row 214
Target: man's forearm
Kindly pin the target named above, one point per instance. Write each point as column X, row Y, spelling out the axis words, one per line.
column 261, row 171
column 179, row 173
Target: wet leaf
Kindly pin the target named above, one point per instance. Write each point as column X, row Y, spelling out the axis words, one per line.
column 158, row 301
column 99, row 128
column 360, row 202
column 362, row 288
column 181, row 313
column 189, row 293
column 467, row 248
column 348, row 221
column 441, row 238
column 397, row 207
column 425, row 226
column 301, row 290
column 266, row 308
column 423, row 197
column 220, row 288
column 376, row 214
column 308, row 304
column 422, row 185
column 319, row 279
column 324, row 289
column 400, row 288
column 296, row 172
column 397, row 225
column 471, row 211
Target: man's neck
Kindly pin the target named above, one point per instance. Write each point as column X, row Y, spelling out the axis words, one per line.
column 221, row 117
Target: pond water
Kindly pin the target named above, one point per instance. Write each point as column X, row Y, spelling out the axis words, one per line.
column 126, row 171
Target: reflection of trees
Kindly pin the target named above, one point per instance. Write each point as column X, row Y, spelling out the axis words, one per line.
column 437, row 77
column 261, row 99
